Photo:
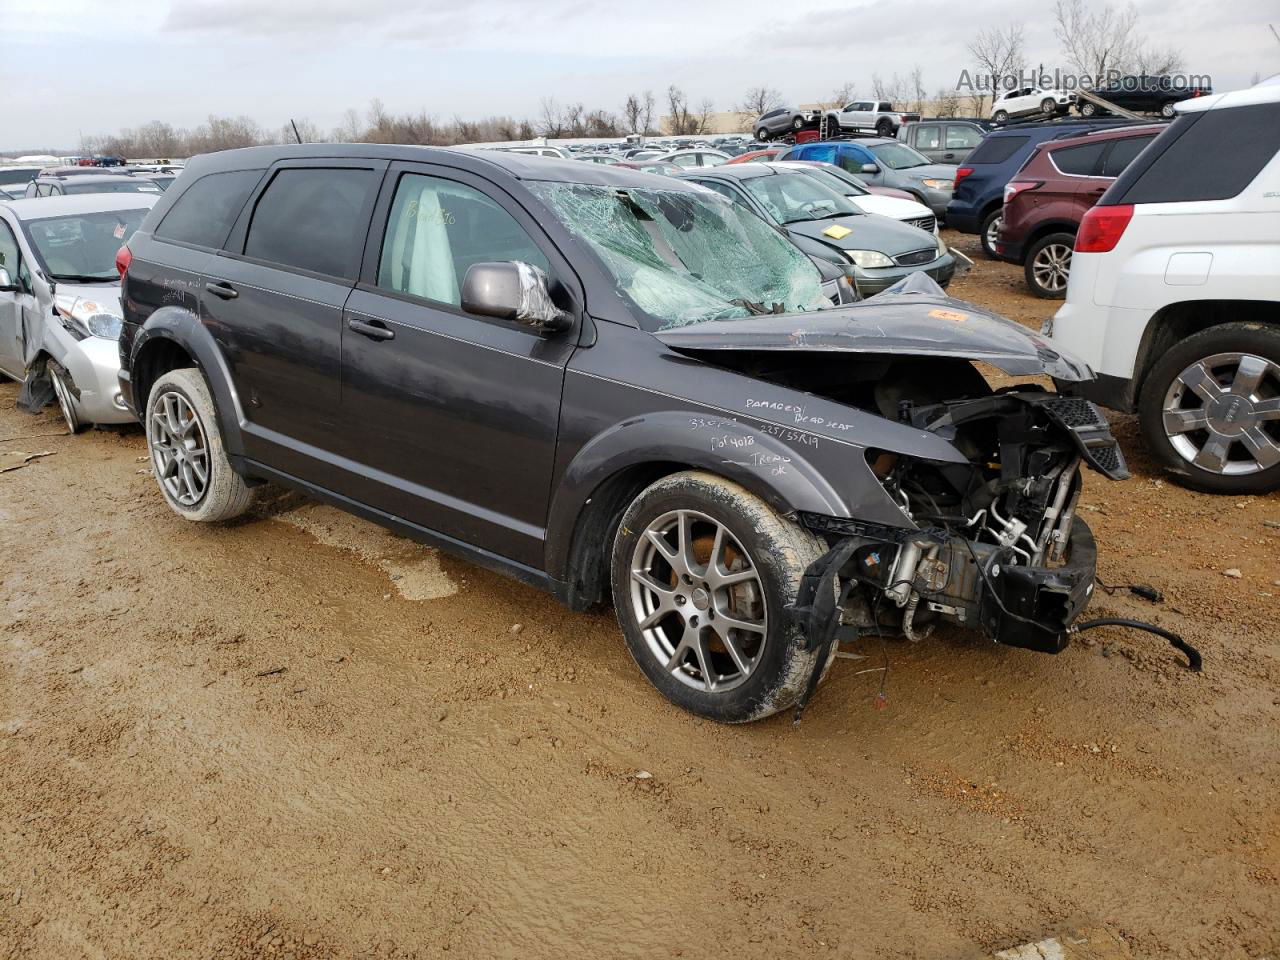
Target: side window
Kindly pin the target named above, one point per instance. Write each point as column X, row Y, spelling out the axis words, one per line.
column 928, row 137
column 312, row 218
column 962, row 138
column 852, row 158
column 31, row 190
column 205, row 211
column 685, row 160
column 438, row 229
column 1081, row 161
column 723, row 189
column 1123, row 153
column 885, row 106
column 8, row 251
column 821, row 152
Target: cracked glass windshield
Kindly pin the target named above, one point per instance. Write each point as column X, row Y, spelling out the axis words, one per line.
column 684, row 257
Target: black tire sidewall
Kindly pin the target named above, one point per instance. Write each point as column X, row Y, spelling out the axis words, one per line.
column 983, row 230
column 1001, row 116
column 762, row 135
column 778, row 679
column 1225, row 338
column 1029, row 273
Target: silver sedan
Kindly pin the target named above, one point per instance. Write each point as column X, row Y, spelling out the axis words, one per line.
column 60, row 310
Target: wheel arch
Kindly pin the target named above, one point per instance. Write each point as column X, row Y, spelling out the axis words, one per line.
column 173, row 338
column 1177, row 321
column 607, row 474
column 1043, row 230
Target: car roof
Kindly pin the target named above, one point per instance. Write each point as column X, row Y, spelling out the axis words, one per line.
column 741, row 171
column 1105, row 133
column 519, row 166
column 38, row 208
column 98, row 178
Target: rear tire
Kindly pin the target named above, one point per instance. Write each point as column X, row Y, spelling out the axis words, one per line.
column 762, row 134
column 1088, row 109
column 1210, row 409
column 990, row 227
column 884, row 128
column 1048, row 106
column 1001, row 116
column 1048, row 265
column 715, row 638
column 797, row 123
column 187, row 452
column 1167, row 110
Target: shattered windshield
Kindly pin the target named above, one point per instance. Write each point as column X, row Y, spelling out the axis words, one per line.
column 794, row 197
column 684, row 257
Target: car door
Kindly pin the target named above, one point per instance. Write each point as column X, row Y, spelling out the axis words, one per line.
column 273, row 300
column 451, row 418
column 959, row 140
column 926, row 138
column 854, row 157
column 11, row 361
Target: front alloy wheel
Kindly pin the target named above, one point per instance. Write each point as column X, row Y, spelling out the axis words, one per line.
column 179, row 450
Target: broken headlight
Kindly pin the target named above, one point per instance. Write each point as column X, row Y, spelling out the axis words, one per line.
column 87, row 318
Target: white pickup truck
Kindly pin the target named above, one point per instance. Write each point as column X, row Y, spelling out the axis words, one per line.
column 866, row 116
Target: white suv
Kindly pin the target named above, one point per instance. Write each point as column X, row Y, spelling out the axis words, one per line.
column 1174, row 295
column 1028, row 101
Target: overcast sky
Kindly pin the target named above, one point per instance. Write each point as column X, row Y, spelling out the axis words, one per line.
column 73, row 67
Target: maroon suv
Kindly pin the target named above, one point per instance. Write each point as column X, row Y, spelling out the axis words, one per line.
column 1047, row 198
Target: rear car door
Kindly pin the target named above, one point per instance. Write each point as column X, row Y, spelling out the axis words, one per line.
column 1082, row 182
column 959, row 140
column 274, row 297
column 11, row 360
column 452, row 418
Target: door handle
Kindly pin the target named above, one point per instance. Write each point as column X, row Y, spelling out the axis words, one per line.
column 373, row 329
column 222, row 289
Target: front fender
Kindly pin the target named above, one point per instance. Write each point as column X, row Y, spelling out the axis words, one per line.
column 766, row 459
column 176, row 324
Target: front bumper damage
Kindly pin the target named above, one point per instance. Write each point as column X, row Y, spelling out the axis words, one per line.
column 994, row 546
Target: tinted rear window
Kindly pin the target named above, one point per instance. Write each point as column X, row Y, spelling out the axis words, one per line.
column 1081, row 161
column 1203, row 156
column 1123, row 153
column 205, row 211
column 996, row 149
column 313, row 219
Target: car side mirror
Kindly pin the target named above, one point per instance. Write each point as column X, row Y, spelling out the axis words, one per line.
column 7, row 283
column 513, row 290
column 870, row 168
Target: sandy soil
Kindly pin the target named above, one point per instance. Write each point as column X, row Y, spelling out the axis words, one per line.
column 300, row 737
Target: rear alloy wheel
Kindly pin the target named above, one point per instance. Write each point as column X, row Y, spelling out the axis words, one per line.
column 703, row 572
column 1048, row 106
column 1167, row 111
column 1049, row 265
column 1002, row 116
column 1210, row 409
column 1088, row 109
column 187, row 454
column 990, row 231
column 66, row 403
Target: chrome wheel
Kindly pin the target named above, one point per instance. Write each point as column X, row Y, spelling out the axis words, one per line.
column 1051, row 267
column 65, row 403
column 179, row 450
column 697, row 598
column 1222, row 414
column 993, row 231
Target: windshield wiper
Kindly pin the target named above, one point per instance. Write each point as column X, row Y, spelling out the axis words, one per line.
column 80, row 278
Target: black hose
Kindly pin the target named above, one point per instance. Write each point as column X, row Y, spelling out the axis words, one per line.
column 1193, row 655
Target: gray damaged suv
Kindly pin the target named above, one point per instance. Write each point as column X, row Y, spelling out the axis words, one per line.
column 609, row 384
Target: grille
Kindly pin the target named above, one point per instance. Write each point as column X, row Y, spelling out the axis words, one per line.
column 924, row 223
column 917, row 257
column 1075, row 412
column 1108, row 458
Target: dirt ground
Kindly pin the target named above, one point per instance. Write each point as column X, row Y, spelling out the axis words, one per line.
column 299, row 736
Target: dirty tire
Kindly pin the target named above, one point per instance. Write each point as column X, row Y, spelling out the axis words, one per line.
column 778, row 551
column 990, row 227
column 65, row 402
column 1251, row 339
column 225, row 494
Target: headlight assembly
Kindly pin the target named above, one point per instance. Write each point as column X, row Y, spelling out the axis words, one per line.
column 939, row 184
column 868, row 259
column 87, row 318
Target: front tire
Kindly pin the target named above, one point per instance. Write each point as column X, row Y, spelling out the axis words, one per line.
column 989, row 230
column 187, row 452
column 797, row 123
column 1001, row 117
column 1048, row 106
column 703, row 572
column 66, row 403
column 1167, row 111
column 1048, row 266
column 1210, row 409
column 762, row 134
column 1088, row 109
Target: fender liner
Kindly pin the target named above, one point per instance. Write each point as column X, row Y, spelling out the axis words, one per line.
column 178, row 325
column 772, row 470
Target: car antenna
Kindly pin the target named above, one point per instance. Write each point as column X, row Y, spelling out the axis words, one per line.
column 295, row 129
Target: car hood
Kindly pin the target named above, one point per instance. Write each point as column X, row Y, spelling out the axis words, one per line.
column 104, row 295
column 870, row 231
column 891, row 207
column 914, row 317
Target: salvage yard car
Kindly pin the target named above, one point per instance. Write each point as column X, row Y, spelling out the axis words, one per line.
column 60, row 300
column 608, row 384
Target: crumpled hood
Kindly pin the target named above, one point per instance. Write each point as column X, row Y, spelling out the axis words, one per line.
column 914, row 317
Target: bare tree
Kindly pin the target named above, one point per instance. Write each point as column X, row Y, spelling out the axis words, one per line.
column 917, row 89
column 649, row 106
column 633, row 114
column 350, row 128
column 682, row 121
column 893, row 90
column 999, row 54
column 706, row 109
column 841, row 95
column 946, row 102
column 757, row 102
column 552, row 124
